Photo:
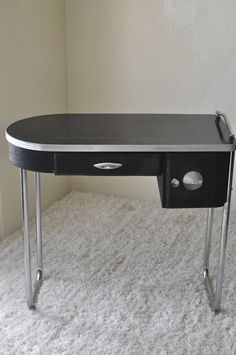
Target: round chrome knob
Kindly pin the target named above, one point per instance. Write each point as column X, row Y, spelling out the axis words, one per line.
column 192, row 180
column 175, row 183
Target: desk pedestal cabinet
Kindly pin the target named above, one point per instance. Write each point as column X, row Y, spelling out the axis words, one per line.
column 192, row 157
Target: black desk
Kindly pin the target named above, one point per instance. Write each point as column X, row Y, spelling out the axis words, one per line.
column 191, row 155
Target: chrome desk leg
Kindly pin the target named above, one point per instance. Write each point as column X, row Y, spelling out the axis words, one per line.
column 31, row 294
column 38, row 236
column 215, row 297
column 208, row 241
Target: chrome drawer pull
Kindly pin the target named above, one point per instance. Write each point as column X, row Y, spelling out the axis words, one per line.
column 107, row 166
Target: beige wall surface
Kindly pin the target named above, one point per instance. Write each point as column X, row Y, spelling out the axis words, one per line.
column 149, row 56
column 32, row 82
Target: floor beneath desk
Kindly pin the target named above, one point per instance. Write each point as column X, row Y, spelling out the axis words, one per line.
column 121, row 276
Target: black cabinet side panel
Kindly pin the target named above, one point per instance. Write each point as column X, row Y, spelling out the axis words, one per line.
column 31, row 159
column 212, row 166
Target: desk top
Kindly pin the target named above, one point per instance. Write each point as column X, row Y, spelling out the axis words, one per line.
column 121, row 132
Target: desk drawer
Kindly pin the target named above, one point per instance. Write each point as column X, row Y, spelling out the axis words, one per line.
column 108, row 163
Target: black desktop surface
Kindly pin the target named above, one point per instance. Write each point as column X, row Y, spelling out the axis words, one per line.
column 157, row 131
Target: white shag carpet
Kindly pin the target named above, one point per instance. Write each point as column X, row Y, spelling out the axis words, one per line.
column 121, row 276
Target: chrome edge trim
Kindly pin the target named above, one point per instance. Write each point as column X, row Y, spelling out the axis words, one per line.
column 120, row 148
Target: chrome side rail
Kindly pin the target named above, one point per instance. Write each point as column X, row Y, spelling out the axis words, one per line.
column 220, row 115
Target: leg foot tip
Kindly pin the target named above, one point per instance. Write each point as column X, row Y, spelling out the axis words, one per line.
column 32, row 308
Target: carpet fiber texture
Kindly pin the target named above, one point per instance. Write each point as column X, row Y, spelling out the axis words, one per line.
column 121, row 276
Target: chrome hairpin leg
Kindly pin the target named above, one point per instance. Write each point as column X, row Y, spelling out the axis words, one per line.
column 215, row 297
column 32, row 293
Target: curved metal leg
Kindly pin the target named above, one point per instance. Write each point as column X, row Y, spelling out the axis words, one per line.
column 27, row 254
column 215, row 297
column 32, row 294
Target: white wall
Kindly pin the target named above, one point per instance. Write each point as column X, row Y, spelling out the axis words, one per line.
column 149, row 56
column 112, row 56
column 32, row 82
